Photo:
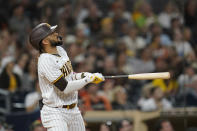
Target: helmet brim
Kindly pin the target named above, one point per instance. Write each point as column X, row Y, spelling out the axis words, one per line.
column 53, row 28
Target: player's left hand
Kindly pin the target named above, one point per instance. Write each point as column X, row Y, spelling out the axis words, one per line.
column 84, row 74
column 98, row 78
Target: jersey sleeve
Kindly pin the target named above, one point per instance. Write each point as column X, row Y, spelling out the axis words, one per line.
column 50, row 70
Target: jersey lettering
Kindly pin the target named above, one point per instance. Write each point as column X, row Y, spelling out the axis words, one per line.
column 67, row 68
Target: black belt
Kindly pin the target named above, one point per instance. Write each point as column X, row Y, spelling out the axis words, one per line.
column 71, row 106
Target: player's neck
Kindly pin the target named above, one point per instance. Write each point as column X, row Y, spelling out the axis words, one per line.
column 51, row 50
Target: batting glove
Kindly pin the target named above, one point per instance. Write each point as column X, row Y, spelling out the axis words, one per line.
column 89, row 78
column 98, row 78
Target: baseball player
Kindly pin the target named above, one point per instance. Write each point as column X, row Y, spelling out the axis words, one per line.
column 58, row 83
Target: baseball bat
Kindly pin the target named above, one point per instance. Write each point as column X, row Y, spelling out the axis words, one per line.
column 143, row 76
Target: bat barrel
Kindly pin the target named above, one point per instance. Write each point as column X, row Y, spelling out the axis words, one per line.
column 150, row 76
column 143, row 76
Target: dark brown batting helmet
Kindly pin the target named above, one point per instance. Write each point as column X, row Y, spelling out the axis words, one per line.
column 40, row 32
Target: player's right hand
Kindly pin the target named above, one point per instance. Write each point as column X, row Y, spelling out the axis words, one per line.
column 89, row 78
column 95, row 78
column 98, row 78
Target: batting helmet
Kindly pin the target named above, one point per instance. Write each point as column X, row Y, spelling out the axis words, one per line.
column 40, row 32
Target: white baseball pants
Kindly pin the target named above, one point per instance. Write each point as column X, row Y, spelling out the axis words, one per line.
column 61, row 119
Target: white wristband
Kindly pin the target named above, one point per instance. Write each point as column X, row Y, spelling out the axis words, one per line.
column 78, row 76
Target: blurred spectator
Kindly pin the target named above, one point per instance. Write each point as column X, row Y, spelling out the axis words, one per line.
column 190, row 15
column 48, row 14
column 169, row 86
column 32, row 99
column 82, row 33
column 145, row 94
column 75, row 52
column 143, row 14
column 156, row 101
column 156, row 30
column 107, row 37
column 182, row 47
column 187, row 34
column 37, row 126
column 133, row 41
column 149, row 14
column 126, row 125
column 167, row 14
column 29, row 76
column 120, row 100
column 186, row 78
column 138, row 16
column 81, row 10
column 8, row 46
column 109, row 66
column 1, row 126
column 191, row 95
column 20, row 64
column 163, row 125
column 104, row 127
column 119, row 16
column 93, row 101
column 90, row 63
column 176, row 25
column 107, row 90
column 64, row 15
column 144, row 63
column 5, row 127
column 8, row 79
column 94, row 19
column 19, row 22
column 123, row 66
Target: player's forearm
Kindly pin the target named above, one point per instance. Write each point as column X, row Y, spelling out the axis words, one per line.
column 78, row 76
column 74, row 85
column 69, row 86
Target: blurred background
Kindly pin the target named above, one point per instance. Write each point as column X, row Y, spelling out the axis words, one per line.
column 111, row 37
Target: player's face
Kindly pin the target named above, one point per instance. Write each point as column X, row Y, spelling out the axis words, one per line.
column 55, row 39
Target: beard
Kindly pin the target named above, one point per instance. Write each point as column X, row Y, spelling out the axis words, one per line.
column 56, row 43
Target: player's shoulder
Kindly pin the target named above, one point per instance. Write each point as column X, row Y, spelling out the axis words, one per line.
column 45, row 58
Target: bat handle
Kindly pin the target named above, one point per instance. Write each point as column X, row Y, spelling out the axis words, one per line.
column 118, row 76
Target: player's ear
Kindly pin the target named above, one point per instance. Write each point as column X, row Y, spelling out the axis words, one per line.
column 45, row 41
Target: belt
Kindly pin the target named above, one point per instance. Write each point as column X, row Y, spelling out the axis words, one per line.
column 71, row 106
